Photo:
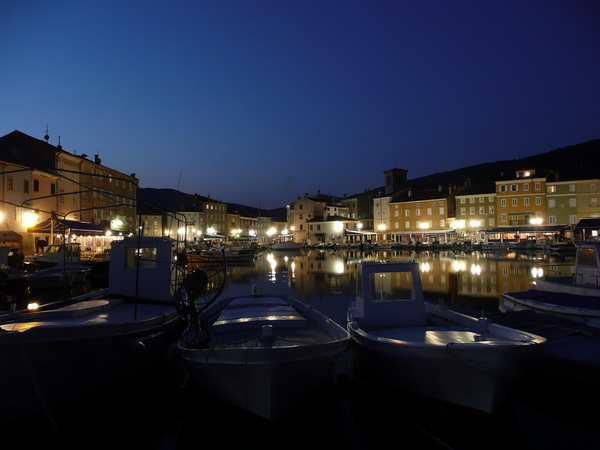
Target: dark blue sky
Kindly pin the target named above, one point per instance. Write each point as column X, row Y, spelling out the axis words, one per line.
column 262, row 101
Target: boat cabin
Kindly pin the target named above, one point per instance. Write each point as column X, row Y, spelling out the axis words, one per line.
column 389, row 294
column 139, row 267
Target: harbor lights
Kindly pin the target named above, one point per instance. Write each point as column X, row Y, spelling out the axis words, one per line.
column 536, row 221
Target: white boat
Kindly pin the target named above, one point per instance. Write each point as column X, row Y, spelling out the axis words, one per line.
column 581, row 278
column 571, row 291
column 66, row 350
column 231, row 255
column 407, row 343
column 262, row 353
column 68, row 256
column 288, row 245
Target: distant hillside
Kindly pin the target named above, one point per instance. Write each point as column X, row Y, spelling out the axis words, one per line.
column 156, row 200
column 581, row 161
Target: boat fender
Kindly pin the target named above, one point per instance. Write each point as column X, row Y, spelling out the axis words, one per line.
column 505, row 309
column 267, row 333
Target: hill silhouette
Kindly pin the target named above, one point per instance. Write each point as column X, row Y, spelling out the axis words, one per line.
column 580, row 161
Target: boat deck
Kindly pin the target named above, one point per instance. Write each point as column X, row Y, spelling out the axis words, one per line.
column 265, row 322
column 86, row 313
column 545, row 325
column 435, row 335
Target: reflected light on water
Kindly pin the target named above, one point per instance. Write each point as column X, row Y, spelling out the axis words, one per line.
column 476, row 269
column 425, row 267
column 459, row 266
column 339, row 267
column 273, row 264
column 537, row 272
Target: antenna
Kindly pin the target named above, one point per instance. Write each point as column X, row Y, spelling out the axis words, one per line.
column 46, row 135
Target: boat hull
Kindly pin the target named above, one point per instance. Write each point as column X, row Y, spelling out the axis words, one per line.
column 468, row 366
column 49, row 361
column 265, row 376
column 582, row 308
column 267, row 383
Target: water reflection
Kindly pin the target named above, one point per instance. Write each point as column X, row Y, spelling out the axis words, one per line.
column 473, row 281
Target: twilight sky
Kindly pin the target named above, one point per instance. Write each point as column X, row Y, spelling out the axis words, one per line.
column 260, row 101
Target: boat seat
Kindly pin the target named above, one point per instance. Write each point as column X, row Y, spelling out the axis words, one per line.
column 250, row 317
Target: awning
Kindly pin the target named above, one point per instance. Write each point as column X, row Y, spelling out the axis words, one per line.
column 61, row 225
column 426, row 231
column 359, row 233
column 589, row 224
column 529, row 229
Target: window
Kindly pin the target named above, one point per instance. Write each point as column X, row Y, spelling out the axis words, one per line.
column 551, row 188
column 526, row 201
column 552, row 220
column 503, row 188
column 551, row 203
column 592, row 186
column 572, row 219
column 53, row 188
column 442, row 211
column 145, row 257
column 26, row 186
column 417, row 212
column 480, row 199
column 407, row 213
column 10, row 181
column 463, row 200
column 572, row 202
column 593, row 201
column 472, row 211
column 514, row 202
column 482, row 210
column 429, row 211
column 503, row 217
column 463, row 211
column 472, row 200
column 491, row 210
column 538, row 201
column 571, row 188
column 514, row 188
column 538, row 186
column 503, row 203
column 407, row 225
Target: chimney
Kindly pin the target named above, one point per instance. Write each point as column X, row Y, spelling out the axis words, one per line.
column 97, row 159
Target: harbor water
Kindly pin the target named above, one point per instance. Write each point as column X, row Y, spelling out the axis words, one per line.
column 554, row 407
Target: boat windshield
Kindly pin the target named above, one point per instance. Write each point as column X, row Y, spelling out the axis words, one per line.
column 586, row 256
column 389, row 287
